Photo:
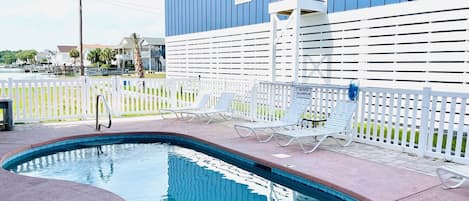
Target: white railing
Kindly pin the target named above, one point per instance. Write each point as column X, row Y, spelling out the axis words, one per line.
column 422, row 122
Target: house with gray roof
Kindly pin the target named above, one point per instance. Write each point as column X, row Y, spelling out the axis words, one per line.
column 152, row 51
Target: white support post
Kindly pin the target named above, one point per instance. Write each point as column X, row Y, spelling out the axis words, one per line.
column 424, row 132
column 253, row 109
column 296, row 43
column 149, row 62
column 273, row 45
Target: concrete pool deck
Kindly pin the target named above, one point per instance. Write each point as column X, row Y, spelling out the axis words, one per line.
column 346, row 169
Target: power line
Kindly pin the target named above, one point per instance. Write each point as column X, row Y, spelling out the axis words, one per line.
column 129, row 6
column 134, row 4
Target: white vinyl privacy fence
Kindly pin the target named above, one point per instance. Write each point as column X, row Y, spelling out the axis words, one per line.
column 405, row 45
column 422, row 122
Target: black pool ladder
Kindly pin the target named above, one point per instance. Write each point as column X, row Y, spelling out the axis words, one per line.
column 108, row 111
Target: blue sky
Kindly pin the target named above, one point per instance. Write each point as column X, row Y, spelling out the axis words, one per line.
column 44, row 24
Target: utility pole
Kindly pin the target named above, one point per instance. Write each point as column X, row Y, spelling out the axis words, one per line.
column 82, row 68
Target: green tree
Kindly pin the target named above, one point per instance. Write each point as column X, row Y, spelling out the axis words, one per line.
column 8, row 57
column 27, row 56
column 107, row 55
column 74, row 53
column 93, row 56
column 137, row 56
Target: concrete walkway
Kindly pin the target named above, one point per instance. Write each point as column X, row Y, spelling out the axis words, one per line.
column 347, row 169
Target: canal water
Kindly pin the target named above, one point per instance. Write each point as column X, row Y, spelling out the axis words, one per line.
column 19, row 74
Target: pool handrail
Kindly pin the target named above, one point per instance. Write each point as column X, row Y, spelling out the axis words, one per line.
column 108, row 110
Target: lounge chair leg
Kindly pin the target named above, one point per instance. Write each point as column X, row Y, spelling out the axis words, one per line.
column 208, row 117
column 315, row 147
column 455, row 177
column 266, row 140
column 286, row 144
column 182, row 116
column 241, row 135
column 349, row 140
column 192, row 118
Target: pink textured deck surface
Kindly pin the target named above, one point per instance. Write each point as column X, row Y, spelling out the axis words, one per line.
column 361, row 178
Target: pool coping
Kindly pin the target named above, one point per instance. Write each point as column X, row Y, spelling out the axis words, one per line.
column 368, row 178
column 244, row 155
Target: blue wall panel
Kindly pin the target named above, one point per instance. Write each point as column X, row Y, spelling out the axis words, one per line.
column 391, row 1
column 223, row 14
column 245, row 13
column 259, row 11
column 266, row 16
column 377, row 2
column 339, row 5
column 351, row 5
column 240, row 21
column 217, row 12
column 228, row 14
column 252, row 12
column 189, row 16
column 362, row 3
column 234, row 15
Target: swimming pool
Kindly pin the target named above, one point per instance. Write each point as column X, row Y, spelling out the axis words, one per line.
column 164, row 167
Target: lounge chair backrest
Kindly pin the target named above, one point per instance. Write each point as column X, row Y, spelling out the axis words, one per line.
column 341, row 115
column 296, row 109
column 224, row 102
column 202, row 100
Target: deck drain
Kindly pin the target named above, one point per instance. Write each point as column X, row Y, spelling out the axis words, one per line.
column 281, row 155
column 289, row 166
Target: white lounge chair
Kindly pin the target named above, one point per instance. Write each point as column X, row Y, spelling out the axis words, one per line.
column 291, row 118
column 338, row 122
column 221, row 108
column 453, row 177
column 200, row 103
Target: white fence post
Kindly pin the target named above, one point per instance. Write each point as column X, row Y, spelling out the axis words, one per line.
column 84, row 97
column 424, row 132
column 115, row 96
column 253, row 106
column 174, row 88
column 10, row 87
column 10, row 95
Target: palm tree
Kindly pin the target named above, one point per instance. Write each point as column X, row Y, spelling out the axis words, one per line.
column 107, row 55
column 74, row 53
column 137, row 56
column 93, row 56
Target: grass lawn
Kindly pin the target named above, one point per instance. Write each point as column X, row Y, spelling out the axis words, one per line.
column 160, row 75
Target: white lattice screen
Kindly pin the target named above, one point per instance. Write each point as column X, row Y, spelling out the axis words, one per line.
column 407, row 45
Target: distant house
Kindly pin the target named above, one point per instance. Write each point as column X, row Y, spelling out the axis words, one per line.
column 62, row 56
column 152, row 51
column 45, row 57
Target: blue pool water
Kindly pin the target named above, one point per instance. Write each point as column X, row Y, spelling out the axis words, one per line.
column 160, row 171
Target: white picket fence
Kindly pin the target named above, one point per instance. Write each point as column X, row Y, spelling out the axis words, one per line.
column 422, row 122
